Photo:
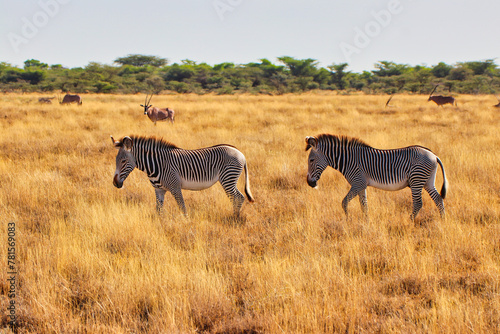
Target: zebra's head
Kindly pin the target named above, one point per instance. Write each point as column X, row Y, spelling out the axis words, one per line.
column 125, row 161
column 317, row 162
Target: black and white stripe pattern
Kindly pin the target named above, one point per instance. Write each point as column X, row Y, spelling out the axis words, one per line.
column 363, row 166
column 171, row 168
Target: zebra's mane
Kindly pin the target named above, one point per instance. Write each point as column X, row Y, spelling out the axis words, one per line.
column 158, row 142
column 344, row 140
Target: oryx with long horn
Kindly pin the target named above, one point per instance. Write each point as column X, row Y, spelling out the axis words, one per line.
column 440, row 99
column 156, row 114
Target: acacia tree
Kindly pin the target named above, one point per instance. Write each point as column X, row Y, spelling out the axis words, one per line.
column 339, row 75
column 441, row 70
column 33, row 63
column 142, row 60
column 300, row 67
column 388, row 68
column 304, row 71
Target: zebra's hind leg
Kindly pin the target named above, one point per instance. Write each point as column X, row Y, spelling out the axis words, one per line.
column 160, row 196
column 236, row 197
column 238, row 202
column 229, row 180
column 436, row 197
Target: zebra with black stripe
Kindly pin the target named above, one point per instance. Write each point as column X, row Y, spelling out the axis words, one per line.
column 362, row 166
column 171, row 168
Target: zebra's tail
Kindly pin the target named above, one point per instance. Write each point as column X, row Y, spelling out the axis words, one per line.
column 444, row 188
column 247, row 185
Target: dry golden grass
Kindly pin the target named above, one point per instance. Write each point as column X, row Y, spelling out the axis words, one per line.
column 96, row 259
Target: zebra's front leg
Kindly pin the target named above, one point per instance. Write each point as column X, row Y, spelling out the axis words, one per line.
column 177, row 193
column 363, row 201
column 416, row 194
column 160, row 197
column 353, row 192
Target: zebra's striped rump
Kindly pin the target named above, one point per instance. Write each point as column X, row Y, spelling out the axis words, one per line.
column 363, row 166
column 171, row 168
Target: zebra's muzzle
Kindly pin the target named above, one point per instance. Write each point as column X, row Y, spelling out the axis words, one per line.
column 116, row 182
column 312, row 183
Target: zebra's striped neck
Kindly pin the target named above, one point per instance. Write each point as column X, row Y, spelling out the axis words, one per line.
column 332, row 140
column 337, row 148
column 141, row 141
column 147, row 152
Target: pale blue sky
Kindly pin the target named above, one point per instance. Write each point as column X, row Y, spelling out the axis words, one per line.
column 76, row 32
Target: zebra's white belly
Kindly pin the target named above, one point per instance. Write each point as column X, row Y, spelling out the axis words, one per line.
column 388, row 186
column 196, row 185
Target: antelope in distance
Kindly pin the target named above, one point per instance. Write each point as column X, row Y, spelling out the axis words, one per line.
column 440, row 100
column 69, row 98
column 45, row 99
column 387, row 103
column 156, row 114
column 498, row 104
column 392, row 95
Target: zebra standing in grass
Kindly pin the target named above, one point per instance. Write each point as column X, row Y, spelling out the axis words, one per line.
column 364, row 166
column 171, row 168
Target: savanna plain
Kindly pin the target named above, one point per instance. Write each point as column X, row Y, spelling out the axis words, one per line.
column 92, row 258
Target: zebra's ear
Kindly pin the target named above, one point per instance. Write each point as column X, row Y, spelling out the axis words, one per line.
column 311, row 142
column 116, row 143
column 127, row 143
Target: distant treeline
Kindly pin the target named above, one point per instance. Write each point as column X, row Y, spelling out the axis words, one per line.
column 143, row 73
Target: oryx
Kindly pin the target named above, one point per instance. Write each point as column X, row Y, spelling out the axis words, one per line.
column 156, row 114
column 69, row 98
column 440, row 99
